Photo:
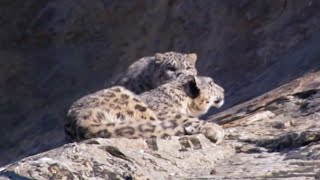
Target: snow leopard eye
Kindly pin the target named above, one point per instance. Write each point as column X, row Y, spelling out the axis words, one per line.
column 171, row 68
column 218, row 100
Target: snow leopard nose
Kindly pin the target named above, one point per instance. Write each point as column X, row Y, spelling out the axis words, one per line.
column 218, row 102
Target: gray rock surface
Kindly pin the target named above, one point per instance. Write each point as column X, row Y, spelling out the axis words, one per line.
column 54, row 51
column 274, row 136
column 123, row 159
column 277, row 134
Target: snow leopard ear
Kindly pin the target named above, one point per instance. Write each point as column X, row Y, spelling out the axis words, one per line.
column 192, row 57
column 192, row 88
column 159, row 57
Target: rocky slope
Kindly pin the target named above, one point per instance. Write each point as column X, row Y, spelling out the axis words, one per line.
column 122, row 159
column 274, row 136
column 54, row 51
column 278, row 133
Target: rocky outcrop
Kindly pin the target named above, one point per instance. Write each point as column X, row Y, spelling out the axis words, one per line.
column 276, row 135
column 54, row 51
column 123, row 159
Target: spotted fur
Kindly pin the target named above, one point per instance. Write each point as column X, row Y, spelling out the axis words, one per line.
column 150, row 72
column 171, row 109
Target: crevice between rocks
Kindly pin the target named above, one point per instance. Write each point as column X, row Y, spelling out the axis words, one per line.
column 288, row 141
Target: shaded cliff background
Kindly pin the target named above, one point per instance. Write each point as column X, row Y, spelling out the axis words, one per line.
column 53, row 52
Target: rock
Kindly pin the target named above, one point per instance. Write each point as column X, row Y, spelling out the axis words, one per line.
column 277, row 134
column 53, row 52
column 123, row 159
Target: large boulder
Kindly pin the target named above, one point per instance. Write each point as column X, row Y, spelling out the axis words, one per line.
column 53, row 52
column 123, row 159
column 276, row 135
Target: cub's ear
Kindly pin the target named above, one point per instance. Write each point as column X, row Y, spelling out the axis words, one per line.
column 159, row 57
column 192, row 88
column 192, row 57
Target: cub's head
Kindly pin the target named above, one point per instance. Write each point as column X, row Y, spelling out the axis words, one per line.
column 171, row 65
column 203, row 93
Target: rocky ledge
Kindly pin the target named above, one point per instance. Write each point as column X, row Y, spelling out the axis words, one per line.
column 123, row 159
column 276, row 135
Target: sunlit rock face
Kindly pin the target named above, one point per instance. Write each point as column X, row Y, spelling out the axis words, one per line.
column 53, row 52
